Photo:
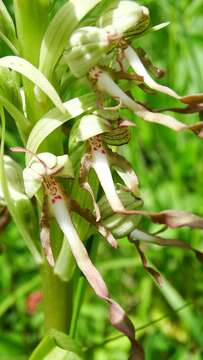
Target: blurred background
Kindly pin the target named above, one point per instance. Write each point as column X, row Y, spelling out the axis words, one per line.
column 170, row 170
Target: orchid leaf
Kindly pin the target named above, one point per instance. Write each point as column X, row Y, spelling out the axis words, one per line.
column 57, row 345
column 8, row 43
column 26, row 69
column 17, row 115
column 54, row 119
column 55, row 39
column 21, row 208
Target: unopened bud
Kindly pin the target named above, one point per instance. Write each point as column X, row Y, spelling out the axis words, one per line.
column 125, row 19
column 87, row 46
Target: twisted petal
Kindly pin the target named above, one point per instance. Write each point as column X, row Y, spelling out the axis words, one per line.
column 138, row 235
column 155, row 274
column 172, row 218
column 45, row 234
column 175, row 218
column 86, row 214
column 118, row 316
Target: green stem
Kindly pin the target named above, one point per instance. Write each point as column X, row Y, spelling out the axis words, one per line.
column 57, row 301
column 31, row 22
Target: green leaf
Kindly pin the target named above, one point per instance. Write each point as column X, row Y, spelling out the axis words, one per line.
column 20, row 208
column 7, row 27
column 188, row 317
column 33, row 74
column 8, row 43
column 59, row 30
column 17, row 115
column 57, row 345
column 53, row 119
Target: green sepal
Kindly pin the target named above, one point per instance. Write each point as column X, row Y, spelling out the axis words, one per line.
column 120, row 225
column 117, row 137
column 57, row 345
column 88, row 126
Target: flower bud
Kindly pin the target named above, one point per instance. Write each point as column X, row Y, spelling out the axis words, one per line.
column 120, row 225
column 87, row 46
column 125, row 19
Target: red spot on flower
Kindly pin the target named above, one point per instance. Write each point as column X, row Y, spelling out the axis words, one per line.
column 32, row 301
column 57, row 197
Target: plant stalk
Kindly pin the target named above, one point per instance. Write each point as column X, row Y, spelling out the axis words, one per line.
column 57, row 301
column 31, row 22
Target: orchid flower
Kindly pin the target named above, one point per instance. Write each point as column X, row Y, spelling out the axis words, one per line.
column 60, row 206
column 99, row 131
column 86, row 55
column 105, row 83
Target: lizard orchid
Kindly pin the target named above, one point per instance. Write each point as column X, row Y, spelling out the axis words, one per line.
column 83, row 59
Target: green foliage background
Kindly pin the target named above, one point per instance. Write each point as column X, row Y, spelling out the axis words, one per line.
column 170, row 170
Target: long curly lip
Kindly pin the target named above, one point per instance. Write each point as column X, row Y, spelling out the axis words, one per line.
column 118, row 317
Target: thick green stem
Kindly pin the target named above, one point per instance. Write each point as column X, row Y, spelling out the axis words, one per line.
column 57, row 301
column 31, row 22
column 58, row 294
